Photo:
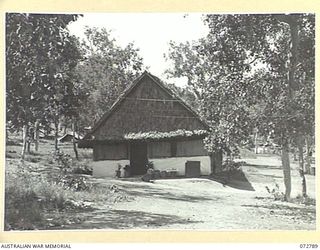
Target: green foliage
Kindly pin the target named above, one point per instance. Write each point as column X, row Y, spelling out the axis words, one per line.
column 105, row 73
column 40, row 56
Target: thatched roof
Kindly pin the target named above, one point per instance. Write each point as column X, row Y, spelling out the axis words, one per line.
column 145, row 108
column 69, row 135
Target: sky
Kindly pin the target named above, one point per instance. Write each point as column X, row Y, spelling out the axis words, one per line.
column 150, row 32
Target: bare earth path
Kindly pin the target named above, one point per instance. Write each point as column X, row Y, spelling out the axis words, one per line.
column 204, row 204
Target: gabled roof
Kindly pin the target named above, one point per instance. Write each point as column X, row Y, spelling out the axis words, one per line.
column 131, row 88
column 70, row 134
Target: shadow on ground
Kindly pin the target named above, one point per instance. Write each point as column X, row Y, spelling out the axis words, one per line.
column 126, row 219
column 235, row 179
column 305, row 213
column 149, row 192
column 269, row 167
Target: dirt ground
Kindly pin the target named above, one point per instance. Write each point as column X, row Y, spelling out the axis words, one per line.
column 204, row 204
column 188, row 204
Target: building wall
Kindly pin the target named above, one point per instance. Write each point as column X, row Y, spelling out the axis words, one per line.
column 191, row 148
column 176, row 148
column 107, row 168
column 178, row 163
column 175, row 154
column 110, row 152
column 164, row 155
column 159, row 149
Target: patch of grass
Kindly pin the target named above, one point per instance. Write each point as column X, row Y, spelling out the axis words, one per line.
column 9, row 156
column 31, row 198
column 308, row 201
column 31, row 158
column 276, row 193
column 34, row 153
column 28, row 196
column 59, row 187
column 14, row 143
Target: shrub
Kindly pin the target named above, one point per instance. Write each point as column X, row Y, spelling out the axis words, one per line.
column 230, row 165
column 74, row 183
column 308, row 201
column 63, row 160
column 82, row 169
column 149, row 165
column 25, row 202
column 32, row 159
column 22, row 211
column 276, row 193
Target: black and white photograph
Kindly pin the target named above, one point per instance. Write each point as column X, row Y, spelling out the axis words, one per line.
column 160, row 121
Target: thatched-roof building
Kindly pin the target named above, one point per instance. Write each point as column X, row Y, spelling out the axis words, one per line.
column 147, row 123
column 67, row 137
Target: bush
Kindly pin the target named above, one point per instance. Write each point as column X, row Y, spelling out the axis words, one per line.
column 308, row 201
column 276, row 193
column 22, row 211
column 31, row 158
column 231, row 166
column 82, row 169
column 74, row 183
column 63, row 160
column 26, row 202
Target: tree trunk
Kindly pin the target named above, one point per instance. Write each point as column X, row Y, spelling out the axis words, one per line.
column 29, row 145
column 56, row 134
column 301, row 167
column 24, row 140
column 7, row 135
column 256, row 143
column 294, row 154
column 36, row 136
column 291, row 20
column 286, row 170
column 216, row 162
column 308, row 157
column 74, row 138
column 219, row 159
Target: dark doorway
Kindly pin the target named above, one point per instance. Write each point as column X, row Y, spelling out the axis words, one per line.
column 138, row 158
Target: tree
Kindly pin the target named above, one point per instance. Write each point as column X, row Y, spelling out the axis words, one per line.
column 213, row 76
column 105, row 73
column 188, row 96
column 246, row 60
column 36, row 60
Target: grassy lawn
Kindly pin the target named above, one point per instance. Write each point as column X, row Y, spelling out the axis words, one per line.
column 39, row 195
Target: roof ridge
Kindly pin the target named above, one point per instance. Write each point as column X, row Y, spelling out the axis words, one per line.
column 134, row 83
column 183, row 102
column 116, row 102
